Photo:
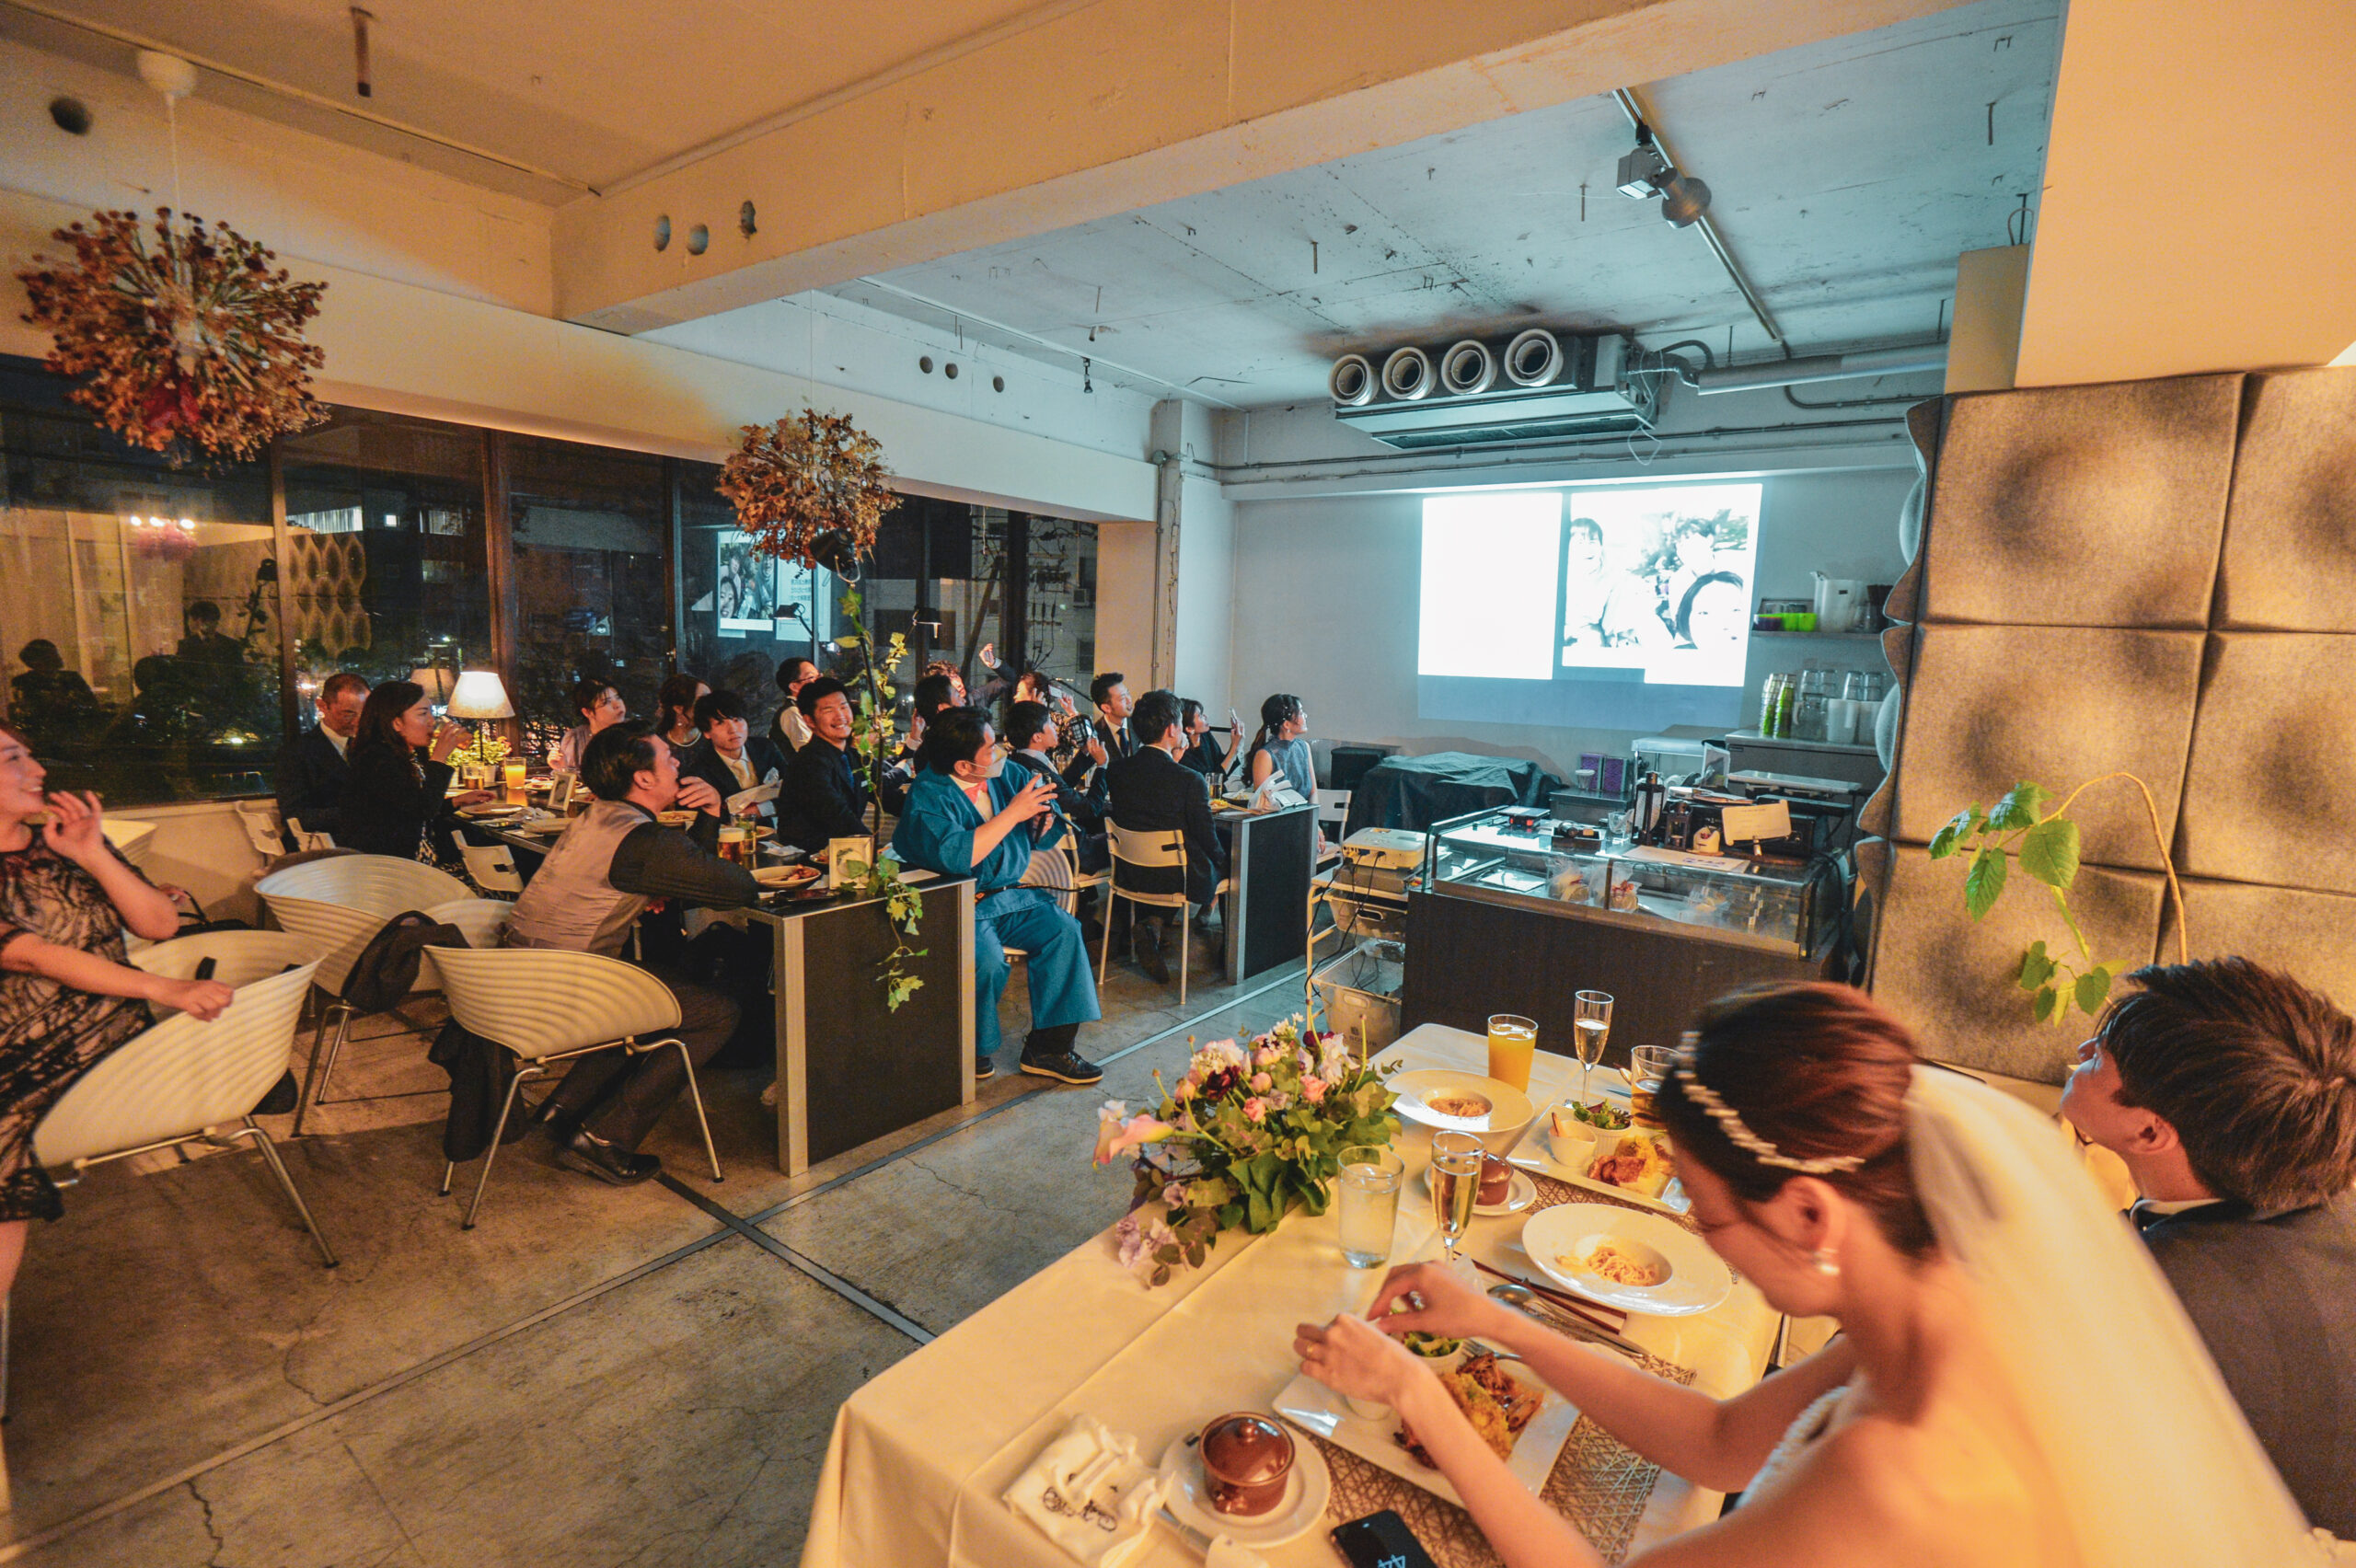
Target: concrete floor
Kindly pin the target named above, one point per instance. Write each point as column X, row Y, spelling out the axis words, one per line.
column 594, row 1376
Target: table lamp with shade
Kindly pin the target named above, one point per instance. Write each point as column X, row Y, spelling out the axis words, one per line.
column 479, row 695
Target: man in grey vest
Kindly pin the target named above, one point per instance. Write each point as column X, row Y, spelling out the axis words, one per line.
column 596, row 879
column 2230, row 1092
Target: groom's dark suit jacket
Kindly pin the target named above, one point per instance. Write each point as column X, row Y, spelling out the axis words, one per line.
column 2275, row 1299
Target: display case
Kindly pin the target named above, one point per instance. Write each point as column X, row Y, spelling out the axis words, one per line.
column 1784, row 907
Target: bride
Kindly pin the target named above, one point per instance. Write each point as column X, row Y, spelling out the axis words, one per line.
column 2014, row 1383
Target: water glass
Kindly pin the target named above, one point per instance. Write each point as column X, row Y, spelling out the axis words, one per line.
column 1368, row 1192
column 1647, row 1066
column 1455, row 1179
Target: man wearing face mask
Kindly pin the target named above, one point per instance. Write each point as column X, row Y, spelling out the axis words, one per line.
column 968, row 816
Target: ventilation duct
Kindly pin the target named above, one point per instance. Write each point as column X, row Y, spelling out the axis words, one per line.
column 1534, row 387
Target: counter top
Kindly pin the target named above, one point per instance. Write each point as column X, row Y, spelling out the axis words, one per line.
column 1753, row 738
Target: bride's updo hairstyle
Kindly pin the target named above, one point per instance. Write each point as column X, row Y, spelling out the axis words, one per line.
column 1801, row 1079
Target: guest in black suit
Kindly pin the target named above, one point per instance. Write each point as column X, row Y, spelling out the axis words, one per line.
column 788, row 731
column 824, row 796
column 311, row 768
column 1111, row 694
column 1151, row 791
column 1203, row 753
column 387, row 797
column 2230, row 1092
column 1031, row 736
column 729, row 757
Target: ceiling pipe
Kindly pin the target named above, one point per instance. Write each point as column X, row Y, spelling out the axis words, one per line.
column 1820, row 367
column 1634, row 108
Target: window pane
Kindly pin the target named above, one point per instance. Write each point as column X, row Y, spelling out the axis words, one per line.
column 744, row 612
column 385, row 532
column 593, row 532
column 138, row 607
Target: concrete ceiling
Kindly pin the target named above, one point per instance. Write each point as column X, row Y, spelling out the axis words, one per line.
column 592, row 92
column 1847, row 176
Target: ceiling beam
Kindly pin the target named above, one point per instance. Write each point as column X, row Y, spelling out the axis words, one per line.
column 1103, row 107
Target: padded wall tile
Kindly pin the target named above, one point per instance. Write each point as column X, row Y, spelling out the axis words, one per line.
column 2269, row 796
column 2081, row 506
column 1991, row 706
column 1952, row 979
column 2291, row 528
column 2311, row 936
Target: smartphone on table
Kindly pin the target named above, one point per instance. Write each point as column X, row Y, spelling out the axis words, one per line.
column 1381, row 1540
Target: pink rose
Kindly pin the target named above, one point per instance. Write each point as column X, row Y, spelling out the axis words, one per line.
column 1185, row 1089
column 1255, row 1108
column 1261, row 1083
column 1312, row 1088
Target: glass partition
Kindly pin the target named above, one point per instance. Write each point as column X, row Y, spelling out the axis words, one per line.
column 138, row 608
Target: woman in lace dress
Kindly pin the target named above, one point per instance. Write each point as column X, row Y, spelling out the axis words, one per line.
column 2014, row 1384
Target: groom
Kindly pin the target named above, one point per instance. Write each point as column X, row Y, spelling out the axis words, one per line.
column 2230, row 1092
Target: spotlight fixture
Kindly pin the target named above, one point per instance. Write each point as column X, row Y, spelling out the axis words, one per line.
column 1646, row 173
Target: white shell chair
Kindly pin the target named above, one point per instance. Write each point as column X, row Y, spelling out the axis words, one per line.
column 179, row 1081
column 340, row 904
column 551, row 1005
column 240, row 958
column 1156, row 849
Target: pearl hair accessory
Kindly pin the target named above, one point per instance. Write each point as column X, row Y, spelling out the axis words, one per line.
column 1729, row 1121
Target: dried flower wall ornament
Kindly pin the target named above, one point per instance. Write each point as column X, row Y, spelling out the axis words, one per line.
column 811, row 487
column 189, row 338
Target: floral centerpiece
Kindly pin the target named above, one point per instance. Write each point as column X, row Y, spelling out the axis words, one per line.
column 1249, row 1131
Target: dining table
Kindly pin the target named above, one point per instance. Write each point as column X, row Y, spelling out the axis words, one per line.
column 921, row 1455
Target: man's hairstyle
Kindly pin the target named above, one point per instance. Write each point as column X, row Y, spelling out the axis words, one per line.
column 616, row 756
column 934, row 693
column 952, row 736
column 789, row 667
column 1188, row 712
column 204, row 612
column 1101, row 687
column 1590, row 526
column 818, row 691
column 1155, row 716
column 721, row 704
column 340, row 682
column 2255, row 1073
column 586, row 691
column 1023, row 723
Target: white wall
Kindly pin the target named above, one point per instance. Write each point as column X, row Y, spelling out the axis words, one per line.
column 1325, row 607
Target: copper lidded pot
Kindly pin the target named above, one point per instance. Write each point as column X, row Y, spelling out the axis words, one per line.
column 1247, row 1459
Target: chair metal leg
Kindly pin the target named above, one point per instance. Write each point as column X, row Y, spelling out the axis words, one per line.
column 1186, row 935
column 1105, row 952
column 315, row 1080
column 507, row 1107
column 696, row 1094
column 450, row 1170
column 278, row 1168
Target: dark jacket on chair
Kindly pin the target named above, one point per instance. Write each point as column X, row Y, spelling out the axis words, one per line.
column 2275, row 1299
column 1152, row 792
column 311, row 774
column 823, row 797
column 388, row 799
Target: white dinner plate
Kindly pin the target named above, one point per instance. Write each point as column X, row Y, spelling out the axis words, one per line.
column 1307, row 1491
column 1311, row 1404
column 1535, row 1151
column 1509, row 1114
column 1520, row 1193
column 786, row 876
column 1558, row 1237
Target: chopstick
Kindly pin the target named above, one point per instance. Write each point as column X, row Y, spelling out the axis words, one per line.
column 1602, row 1316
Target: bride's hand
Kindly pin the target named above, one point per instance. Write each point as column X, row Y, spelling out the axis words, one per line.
column 1348, row 1356
column 1436, row 1300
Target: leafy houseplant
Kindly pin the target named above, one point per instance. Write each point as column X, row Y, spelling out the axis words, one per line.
column 813, row 488
column 1248, row 1132
column 2018, row 828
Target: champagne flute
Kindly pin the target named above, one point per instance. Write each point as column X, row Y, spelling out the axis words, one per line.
column 1590, row 1027
column 1455, row 1179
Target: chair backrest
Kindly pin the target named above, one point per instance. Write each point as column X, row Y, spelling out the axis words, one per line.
column 537, row 1001
column 1052, row 869
column 260, row 819
column 340, row 902
column 1160, row 847
column 482, row 919
column 240, row 958
column 179, row 1078
column 493, row 866
column 135, row 839
column 1332, row 805
column 306, row 839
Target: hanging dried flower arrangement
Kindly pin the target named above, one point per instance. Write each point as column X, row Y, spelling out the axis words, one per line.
column 810, row 488
column 191, row 339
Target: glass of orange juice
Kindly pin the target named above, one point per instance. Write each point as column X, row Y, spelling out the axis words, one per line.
column 1513, row 1041
column 514, row 775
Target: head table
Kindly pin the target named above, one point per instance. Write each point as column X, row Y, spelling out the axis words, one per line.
column 921, row 1454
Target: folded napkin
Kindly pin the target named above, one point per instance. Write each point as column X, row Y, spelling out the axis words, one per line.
column 1090, row 1494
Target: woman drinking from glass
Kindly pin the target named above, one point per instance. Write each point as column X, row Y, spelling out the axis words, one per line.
column 389, row 797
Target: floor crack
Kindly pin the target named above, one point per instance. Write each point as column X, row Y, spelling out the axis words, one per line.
column 220, row 1544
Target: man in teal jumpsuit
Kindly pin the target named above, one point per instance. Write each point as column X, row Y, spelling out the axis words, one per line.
column 965, row 815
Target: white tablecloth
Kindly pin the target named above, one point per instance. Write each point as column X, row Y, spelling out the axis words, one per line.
column 921, row 1455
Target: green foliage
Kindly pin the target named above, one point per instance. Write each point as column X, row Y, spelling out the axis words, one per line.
column 2047, row 847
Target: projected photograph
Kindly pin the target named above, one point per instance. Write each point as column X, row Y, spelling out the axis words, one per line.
column 745, row 598
column 1659, row 579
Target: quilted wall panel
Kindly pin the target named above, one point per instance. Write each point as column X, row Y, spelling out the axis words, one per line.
column 2155, row 577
